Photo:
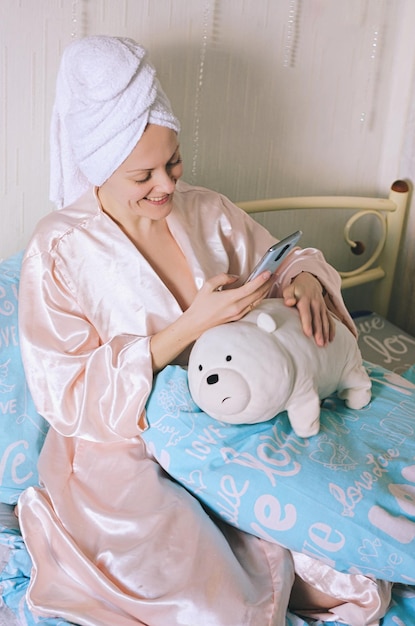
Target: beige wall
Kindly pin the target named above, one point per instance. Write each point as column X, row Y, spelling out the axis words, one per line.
column 276, row 97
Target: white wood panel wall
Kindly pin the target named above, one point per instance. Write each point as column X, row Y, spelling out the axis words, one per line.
column 276, row 97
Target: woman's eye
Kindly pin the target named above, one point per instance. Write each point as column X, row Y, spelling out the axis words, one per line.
column 144, row 180
column 174, row 163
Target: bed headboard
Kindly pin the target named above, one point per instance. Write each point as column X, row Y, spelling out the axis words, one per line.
column 389, row 211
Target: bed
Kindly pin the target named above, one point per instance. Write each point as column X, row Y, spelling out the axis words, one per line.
column 262, row 478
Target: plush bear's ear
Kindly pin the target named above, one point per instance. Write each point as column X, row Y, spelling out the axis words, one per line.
column 266, row 322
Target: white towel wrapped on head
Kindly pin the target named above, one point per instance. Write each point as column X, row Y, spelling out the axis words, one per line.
column 106, row 94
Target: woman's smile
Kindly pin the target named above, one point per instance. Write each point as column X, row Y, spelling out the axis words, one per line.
column 159, row 201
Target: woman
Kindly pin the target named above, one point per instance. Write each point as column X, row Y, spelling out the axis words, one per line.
column 115, row 285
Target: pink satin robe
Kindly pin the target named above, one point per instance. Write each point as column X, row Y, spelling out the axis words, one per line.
column 114, row 541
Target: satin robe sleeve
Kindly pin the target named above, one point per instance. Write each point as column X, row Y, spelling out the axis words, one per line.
column 83, row 386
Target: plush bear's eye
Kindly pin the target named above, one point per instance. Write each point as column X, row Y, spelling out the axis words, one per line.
column 200, row 368
column 229, row 358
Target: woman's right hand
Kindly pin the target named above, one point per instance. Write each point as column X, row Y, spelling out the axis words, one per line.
column 218, row 303
column 214, row 304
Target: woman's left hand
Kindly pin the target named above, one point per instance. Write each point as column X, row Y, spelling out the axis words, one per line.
column 306, row 293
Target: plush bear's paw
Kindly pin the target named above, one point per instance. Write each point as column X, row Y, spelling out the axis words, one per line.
column 307, row 430
column 356, row 398
column 304, row 414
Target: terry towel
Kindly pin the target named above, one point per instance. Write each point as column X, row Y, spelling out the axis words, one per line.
column 107, row 92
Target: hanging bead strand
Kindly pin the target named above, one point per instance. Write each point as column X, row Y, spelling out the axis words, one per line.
column 199, row 88
column 293, row 34
column 74, row 20
column 372, row 65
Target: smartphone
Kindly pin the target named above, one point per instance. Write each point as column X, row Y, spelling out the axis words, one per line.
column 275, row 255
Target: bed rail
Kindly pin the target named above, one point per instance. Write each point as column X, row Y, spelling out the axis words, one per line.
column 389, row 211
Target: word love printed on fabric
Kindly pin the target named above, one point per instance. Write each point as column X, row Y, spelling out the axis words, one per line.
column 345, row 496
column 382, row 342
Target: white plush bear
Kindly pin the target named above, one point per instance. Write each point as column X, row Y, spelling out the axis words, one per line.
column 250, row 370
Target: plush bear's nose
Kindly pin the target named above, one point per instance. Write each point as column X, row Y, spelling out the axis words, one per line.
column 212, row 379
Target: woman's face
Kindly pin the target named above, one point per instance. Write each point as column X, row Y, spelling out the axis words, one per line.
column 144, row 183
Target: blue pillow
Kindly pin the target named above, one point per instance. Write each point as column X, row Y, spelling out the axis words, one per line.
column 345, row 496
column 22, row 430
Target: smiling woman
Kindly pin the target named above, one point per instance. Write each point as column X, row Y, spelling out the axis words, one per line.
column 115, row 285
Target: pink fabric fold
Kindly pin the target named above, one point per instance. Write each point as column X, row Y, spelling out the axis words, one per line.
column 362, row 601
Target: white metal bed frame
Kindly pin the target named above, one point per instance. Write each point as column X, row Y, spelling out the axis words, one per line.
column 390, row 212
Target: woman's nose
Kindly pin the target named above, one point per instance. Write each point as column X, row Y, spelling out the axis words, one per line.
column 165, row 181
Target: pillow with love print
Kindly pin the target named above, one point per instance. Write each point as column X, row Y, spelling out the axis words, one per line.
column 345, row 496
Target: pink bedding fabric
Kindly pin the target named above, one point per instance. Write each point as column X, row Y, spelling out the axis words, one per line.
column 112, row 539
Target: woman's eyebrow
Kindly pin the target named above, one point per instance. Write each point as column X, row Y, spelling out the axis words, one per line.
column 140, row 170
column 149, row 169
